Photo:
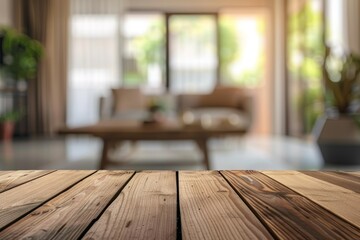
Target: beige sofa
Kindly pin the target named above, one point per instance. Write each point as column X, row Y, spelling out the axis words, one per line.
column 132, row 104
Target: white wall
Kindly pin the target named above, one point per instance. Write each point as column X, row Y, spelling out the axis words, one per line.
column 6, row 12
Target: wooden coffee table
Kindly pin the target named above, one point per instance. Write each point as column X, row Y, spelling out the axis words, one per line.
column 112, row 132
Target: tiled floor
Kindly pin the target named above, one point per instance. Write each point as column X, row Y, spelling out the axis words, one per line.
column 251, row 152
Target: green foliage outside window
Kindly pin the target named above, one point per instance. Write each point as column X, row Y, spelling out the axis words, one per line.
column 229, row 47
column 232, row 51
column 151, row 46
column 150, row 49
column 306, row 54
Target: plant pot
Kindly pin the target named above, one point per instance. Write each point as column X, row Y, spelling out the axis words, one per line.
column 7, row 130
column 338, row 139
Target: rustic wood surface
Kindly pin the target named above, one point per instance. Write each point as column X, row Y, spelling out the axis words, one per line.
column 357, row 174
column 145, row 209
column 210, row 209
column 4, row 172
column 341, row 201
column 9, row 180
column 59, row 218
column 179, row 205
column 285, row 212
column 341, row 179
column 18, row 201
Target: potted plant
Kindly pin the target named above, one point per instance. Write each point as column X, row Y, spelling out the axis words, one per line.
column 19, row 59
column 7, row 124
column 20, row 56
column 156, row 109
column 338, row 133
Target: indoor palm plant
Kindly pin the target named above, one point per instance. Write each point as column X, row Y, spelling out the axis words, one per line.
column 337, row 132
column 342, row 81
column 19, row 59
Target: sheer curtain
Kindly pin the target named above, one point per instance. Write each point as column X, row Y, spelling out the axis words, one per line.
column 94, row 57
column 343, row 19
column 47, row 22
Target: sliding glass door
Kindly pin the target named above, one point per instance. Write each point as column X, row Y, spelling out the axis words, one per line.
column 144, row 51
column 192, row 53
column 193, row 61
column 94, row 58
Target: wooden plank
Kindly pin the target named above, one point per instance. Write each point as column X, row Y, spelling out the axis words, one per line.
column 69, row 214
column 356, row 174
column 211, row 209
column 145, row 209
column 12, row 179
column 285, row 212
column 341, row 179
column 341, row 201
column 4, row 172
column 18, row 201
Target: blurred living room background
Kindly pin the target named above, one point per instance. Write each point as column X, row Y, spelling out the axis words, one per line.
column 293, row 66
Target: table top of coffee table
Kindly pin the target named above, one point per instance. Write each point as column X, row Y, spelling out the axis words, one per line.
column 152, row 130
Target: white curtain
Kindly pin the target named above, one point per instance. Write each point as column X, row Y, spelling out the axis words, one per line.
column 94, row 57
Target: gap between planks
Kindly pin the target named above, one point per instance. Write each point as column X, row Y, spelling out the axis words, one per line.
column 178, row 210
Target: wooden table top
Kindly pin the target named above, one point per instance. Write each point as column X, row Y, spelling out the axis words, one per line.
column 134, row 127
column 179, row 205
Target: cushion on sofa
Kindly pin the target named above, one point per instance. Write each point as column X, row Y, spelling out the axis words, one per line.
column 127, row 99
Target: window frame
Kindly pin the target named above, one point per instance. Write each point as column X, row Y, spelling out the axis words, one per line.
column 167, row 15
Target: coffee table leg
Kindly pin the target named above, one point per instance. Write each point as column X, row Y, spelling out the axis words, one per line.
column 202, row 144
column 104, row 155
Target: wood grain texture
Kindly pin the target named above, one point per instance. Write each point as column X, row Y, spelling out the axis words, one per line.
column 12, row 179
column 5, row 172
column 338, row 178
column 68, row 215
column 288, row 214
column 341, row 201
column 145, row 209
column 210, row 209
column 18, row 201
column 355, row 174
